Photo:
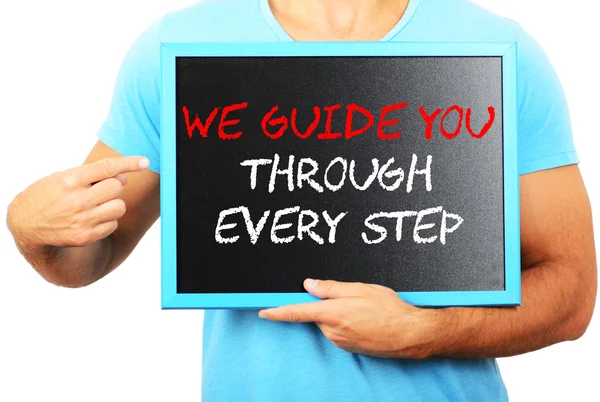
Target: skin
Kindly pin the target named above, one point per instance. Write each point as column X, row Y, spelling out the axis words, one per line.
column 338, row 20
column 558, row 291
column 76, row 226
column 63, row 227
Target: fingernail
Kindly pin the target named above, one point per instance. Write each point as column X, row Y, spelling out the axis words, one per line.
column 122, row 178
column 262, row 314
column 144, row 163
column 312, row 283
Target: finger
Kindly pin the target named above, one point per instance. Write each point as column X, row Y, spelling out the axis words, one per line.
column 122, row 178
column 111, row 167
column 108, row 211
column 103, row 230
column 333, row 289
column 103, row 191
column 305, row 312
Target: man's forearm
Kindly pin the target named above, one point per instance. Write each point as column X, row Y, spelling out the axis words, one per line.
column 556, row 306
column 67, row 266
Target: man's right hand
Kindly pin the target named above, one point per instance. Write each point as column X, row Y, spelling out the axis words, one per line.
column 76, row 207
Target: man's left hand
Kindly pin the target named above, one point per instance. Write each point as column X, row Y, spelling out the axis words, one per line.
column 364, row 318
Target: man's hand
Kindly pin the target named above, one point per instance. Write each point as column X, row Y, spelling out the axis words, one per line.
column 364, row 318
column 558, row 282
column 73, row 208
column 73, row 227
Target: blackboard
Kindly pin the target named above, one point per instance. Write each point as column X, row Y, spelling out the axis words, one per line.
column 376, row 168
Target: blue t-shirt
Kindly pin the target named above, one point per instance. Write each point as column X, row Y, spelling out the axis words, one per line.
column 248, row 358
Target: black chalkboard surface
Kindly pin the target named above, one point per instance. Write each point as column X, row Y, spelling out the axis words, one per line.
column 377, row 169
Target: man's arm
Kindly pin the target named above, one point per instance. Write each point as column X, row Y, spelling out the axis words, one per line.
column 70, row 238
column 558, row 291
column 559, row 278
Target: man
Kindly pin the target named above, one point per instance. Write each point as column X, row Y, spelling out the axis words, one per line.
column 362, row 343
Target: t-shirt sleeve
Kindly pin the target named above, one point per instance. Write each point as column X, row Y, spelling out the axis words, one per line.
column 132, row 126
column 545, row 136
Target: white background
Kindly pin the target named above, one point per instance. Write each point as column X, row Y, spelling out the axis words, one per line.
column 110, row 341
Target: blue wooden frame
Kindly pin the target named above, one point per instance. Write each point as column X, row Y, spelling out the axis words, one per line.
column 169, row 51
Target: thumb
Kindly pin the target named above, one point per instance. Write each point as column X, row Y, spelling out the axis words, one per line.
column 329, row 289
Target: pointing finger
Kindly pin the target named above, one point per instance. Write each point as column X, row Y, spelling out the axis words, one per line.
column 111, row 167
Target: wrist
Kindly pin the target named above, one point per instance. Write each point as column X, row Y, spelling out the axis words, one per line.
column 12, row 222
column 26, row 243
column 454, row 328
column 432, row 332
column 420, row 336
